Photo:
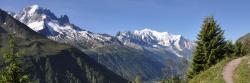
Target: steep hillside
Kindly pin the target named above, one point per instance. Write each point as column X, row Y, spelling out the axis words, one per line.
column 128, row 62
column 49, row 62
column 212, row 75
column 115, row 52
column 60, row 29
column 245, row 41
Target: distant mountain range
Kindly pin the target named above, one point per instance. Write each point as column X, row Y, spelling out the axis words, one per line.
column 47, row 61
column 147, row 53
column 148, row 38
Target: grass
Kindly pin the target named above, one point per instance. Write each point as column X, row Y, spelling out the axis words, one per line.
column 242, row 72
column 212, row 75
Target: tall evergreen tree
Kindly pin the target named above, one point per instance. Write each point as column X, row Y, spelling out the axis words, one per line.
column 12, row 72
column 239, row 50
column 229, row 48
column 210, row 47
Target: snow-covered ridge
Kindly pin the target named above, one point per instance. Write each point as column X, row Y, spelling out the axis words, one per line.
column 164, row 38
column 33, row 9
column 60, row 29
column 153, row 45
column 154, row 39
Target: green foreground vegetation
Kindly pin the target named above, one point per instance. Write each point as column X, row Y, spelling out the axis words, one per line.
column 242, row 72
column 212, row 48
column 212, row 75
column 212, row 53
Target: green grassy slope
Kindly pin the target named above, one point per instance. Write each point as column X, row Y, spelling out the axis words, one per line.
column 242, row 72
column 212, row 75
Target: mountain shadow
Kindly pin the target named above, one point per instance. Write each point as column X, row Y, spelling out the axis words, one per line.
column 47, row 61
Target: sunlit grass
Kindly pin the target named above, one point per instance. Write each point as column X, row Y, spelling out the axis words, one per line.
column 212, row 75
column 242, row 72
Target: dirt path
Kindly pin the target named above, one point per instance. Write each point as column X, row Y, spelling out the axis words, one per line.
column 229, row 70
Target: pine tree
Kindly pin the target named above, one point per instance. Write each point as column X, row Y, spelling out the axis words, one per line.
column 229, row 48
column 12, row 72
column 239, row 49
column 210, row 47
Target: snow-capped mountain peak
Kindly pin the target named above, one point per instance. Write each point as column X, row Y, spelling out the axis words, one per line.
column 60, row 29
column 154, row 39
column 33, row 9
column 44, row 21
column 35, row 17
column 164, row 37
column 145, row 43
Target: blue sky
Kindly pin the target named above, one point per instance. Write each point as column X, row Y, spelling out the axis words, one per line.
column 175, row 16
